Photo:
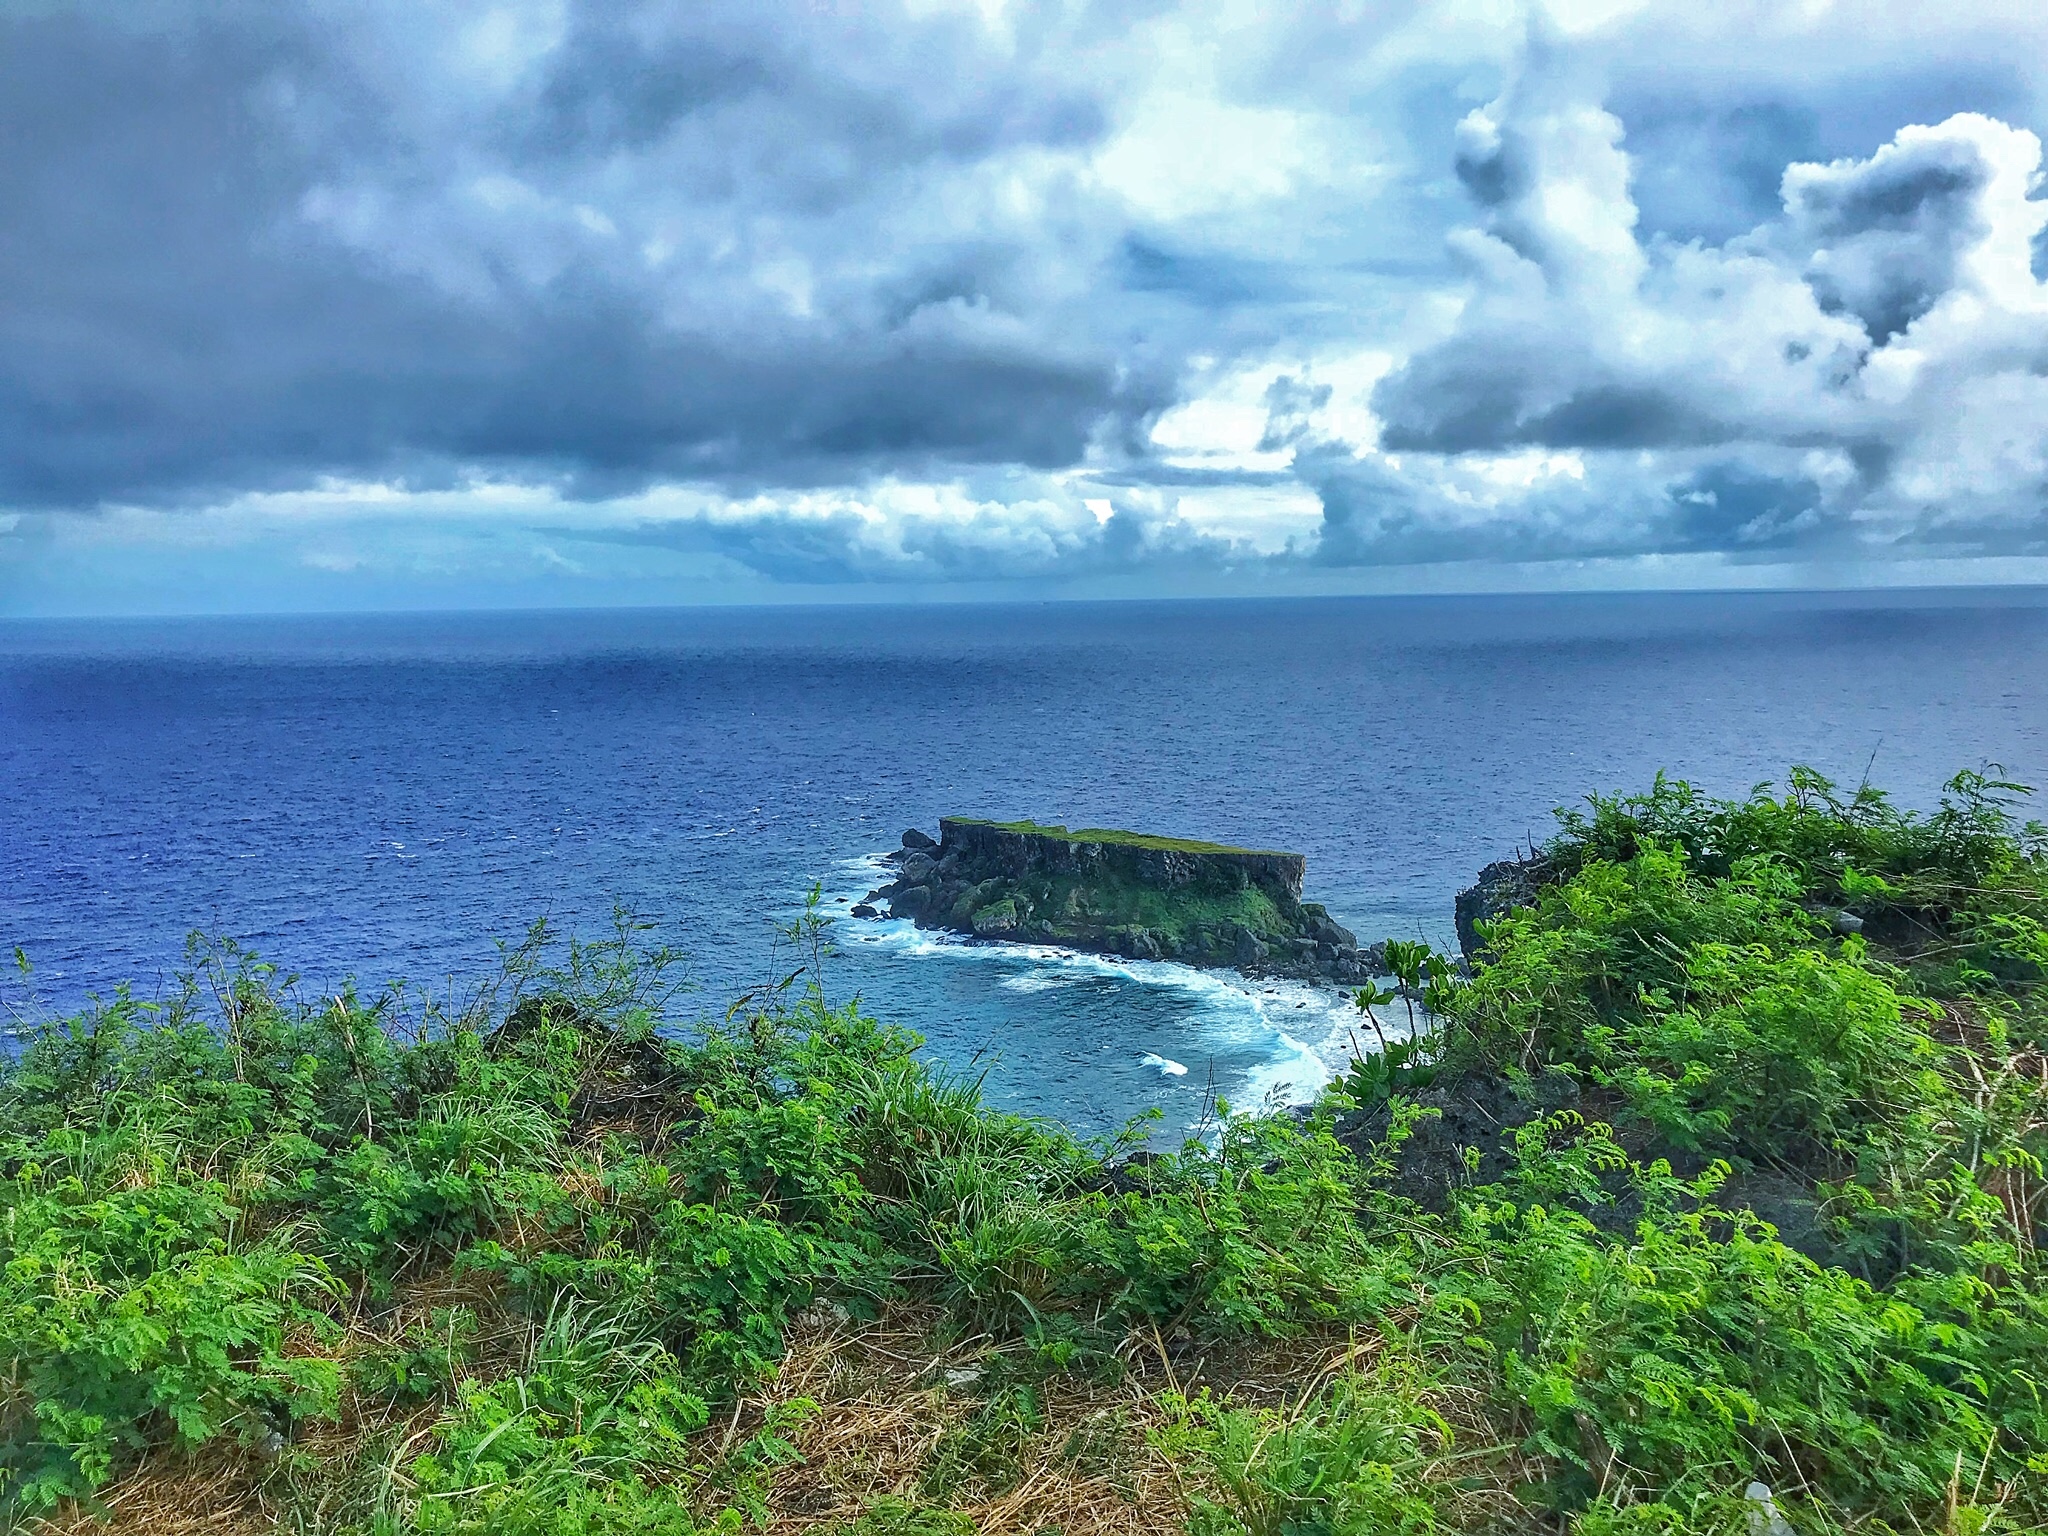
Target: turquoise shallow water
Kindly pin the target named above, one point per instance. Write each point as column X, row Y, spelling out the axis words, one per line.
column 389, row 796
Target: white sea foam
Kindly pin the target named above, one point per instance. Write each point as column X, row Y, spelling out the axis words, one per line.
column 1295, row 1075
column 1042, row 980
column 1303, row 1030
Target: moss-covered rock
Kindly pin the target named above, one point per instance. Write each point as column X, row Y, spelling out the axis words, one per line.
column 1123, row 893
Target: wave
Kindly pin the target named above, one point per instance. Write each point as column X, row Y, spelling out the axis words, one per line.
column 1303, row 1034
column 1295, row 1075
column 1037, row 981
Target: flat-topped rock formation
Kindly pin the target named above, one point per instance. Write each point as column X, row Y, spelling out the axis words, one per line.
column 1121, row 893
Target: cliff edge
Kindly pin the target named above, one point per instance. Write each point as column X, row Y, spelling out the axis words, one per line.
column 1121, row 893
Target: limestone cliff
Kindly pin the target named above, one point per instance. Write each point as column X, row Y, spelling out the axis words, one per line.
column 1124, row 893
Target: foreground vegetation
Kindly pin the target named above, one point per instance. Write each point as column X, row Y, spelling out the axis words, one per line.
column 558, row 1262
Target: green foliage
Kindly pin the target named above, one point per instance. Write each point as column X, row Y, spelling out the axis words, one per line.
column 1350, row 1461
column 618, row 1215
column 423, row 1363
column 986, row 1452
column 1669, row 1359
column 1247, row 1238
column 898, row 1517
column 575, row 1442
column 1112, row 836
column 1406, row 1064
column 1963, row 890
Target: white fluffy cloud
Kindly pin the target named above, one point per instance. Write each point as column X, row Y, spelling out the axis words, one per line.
column 1861, row 370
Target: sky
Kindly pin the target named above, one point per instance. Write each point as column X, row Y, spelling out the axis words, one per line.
column 359, row 305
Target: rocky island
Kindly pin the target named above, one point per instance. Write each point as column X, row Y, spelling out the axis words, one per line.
column 1120, row 893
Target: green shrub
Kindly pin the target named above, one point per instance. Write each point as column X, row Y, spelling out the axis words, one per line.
column 134, row 1314
column 1351, row 1461
column 201, row 1197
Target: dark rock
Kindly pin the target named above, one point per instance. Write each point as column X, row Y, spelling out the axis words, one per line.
column 998, row 919
column 1500, row 888
column 1087, row 891
column 1481, row 1113
column 1326, row 929
column 1786, row 1204
column 862, row 909
column 1133, row 1175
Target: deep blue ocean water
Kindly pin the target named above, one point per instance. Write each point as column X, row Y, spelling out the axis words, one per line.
column 387, row 796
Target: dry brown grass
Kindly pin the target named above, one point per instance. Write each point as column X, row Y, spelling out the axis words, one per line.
column 211, row 1494
column 884, row 1406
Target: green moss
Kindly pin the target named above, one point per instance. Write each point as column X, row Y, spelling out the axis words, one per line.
column 1118, row 838
column 1180, row 914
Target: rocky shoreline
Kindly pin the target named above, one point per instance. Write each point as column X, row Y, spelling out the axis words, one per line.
column 1119, row 893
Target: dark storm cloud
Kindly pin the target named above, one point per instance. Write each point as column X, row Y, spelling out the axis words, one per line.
column 625, row 75
column 246, row 248
column 1709, row 145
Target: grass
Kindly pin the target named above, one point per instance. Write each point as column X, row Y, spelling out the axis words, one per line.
column 569, row 1258
column 1117, row 838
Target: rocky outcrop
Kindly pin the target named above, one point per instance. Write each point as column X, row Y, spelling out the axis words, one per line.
column 1500, row 888
column 1123, row 893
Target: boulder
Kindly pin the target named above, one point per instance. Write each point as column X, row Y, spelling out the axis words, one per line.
column 862, row 909
column 1326, row 929
column 1124, row 893
column 998, row 919
column 1500, row 888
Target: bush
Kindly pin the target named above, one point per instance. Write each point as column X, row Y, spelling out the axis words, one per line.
column 604, row 1224
column 1353, row 1460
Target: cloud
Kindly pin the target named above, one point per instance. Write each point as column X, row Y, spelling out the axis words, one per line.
column 250, row 246
column 897, row 533
column 1825, row 376
column 908, row 291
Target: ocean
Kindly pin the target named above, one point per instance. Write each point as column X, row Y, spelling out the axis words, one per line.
column 392, row 796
